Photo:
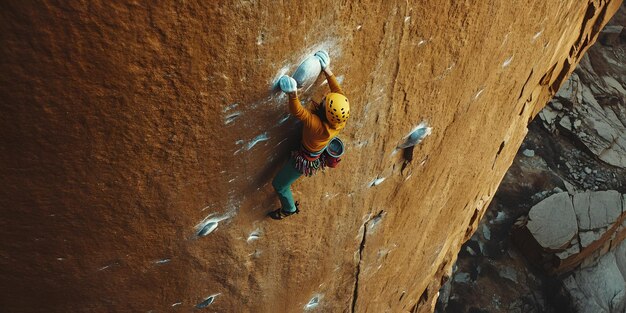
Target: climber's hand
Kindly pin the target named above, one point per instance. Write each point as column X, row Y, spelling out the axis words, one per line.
column 323, row 57
column 288, row 84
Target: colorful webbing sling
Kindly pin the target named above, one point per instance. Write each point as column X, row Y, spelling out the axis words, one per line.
column 308, row 163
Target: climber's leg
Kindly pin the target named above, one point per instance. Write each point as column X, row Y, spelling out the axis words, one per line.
column 282, row 184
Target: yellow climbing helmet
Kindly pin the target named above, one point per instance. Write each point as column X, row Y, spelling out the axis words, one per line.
column 337, row 108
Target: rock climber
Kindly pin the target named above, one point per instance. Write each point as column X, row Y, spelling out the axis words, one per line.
column 319, row 146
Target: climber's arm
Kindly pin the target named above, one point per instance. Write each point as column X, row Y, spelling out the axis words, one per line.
column 324, row 59
column 297, row 110
column 332, row 81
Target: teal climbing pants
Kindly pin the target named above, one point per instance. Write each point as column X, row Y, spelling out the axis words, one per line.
column 282, row 184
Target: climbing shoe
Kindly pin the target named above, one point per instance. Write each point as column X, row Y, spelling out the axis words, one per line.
column 279, row 214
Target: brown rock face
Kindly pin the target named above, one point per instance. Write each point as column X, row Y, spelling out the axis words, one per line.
column 125, row 126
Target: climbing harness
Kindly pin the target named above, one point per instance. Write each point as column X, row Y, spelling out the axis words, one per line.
column 308, row 163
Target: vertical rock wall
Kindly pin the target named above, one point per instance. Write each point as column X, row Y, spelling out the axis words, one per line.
column 126, row 126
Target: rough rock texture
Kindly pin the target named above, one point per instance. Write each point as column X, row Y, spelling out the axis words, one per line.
column 549, row 161
column 562, row 231
column 600, row 288
column 552, row 222
column 127, row 129
column 591, row 106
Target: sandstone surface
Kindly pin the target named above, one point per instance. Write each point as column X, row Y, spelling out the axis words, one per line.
column 559, row 162
column 139, row 139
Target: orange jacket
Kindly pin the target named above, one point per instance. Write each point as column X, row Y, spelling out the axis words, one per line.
column 315, row 133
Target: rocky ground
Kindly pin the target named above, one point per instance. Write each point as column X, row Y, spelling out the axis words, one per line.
column 575, row 147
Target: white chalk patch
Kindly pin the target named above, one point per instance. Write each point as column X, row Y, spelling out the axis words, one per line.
column 361, row 144
column 230, row 107
column 256, row 254
column 162, row 261
column 280, row 142
column 314, row 302
column 506, row 38
column 60, row 259
column 329, row 196
column 210, row 223
column 207, row 301
column 281, row 72
column 376, row 182
column 207, row 228
column 283, row 119
column 177, row 303
column 416, row 135
column 507, row 61
column 256, row 234
column 478, row 94
column 257, row 139
column 231, row 117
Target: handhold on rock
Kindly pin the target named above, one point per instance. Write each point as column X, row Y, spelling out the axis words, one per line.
column 206, row 302
column 308, row 71
column 314, row 302
column 207, row 229
column 416, row 136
